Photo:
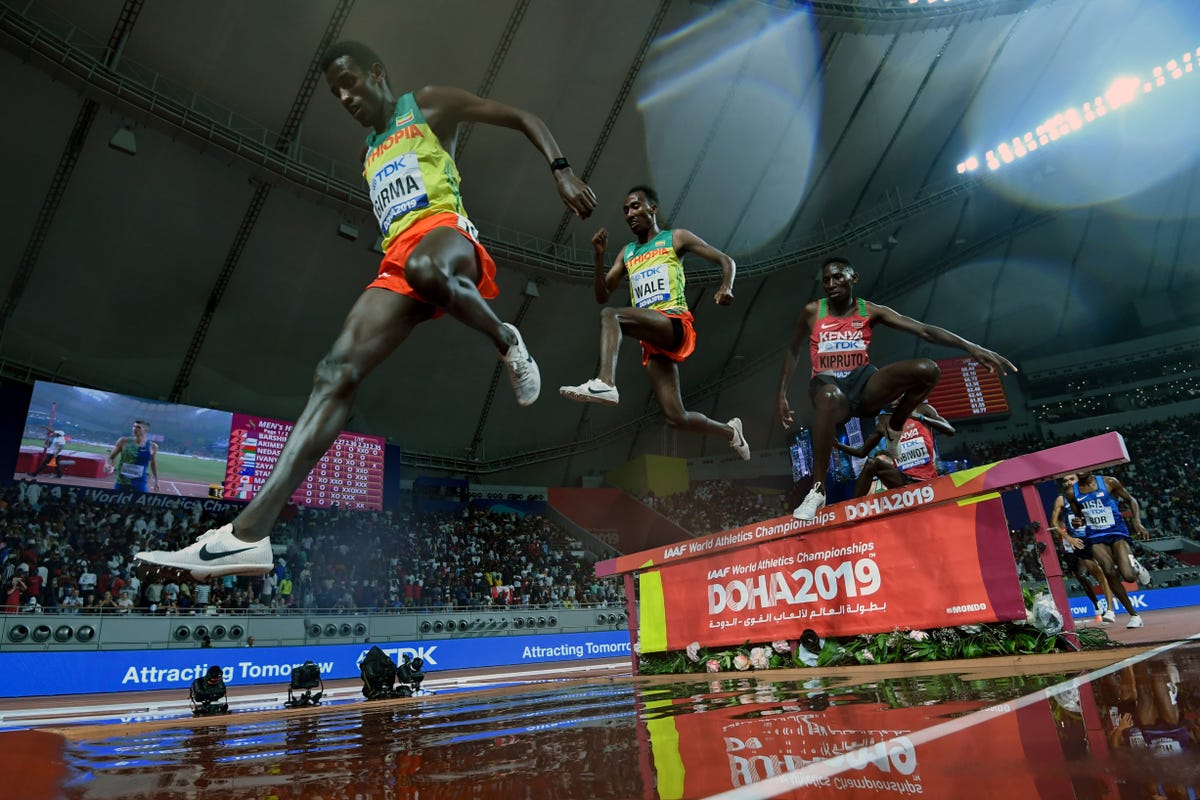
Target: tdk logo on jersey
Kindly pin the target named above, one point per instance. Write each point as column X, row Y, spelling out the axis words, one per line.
column 395, row 654
column 386, row 171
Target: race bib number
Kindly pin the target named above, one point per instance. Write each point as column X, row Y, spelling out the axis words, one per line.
column 913, row 453
column 132, row 471
column 650, row 286
column 397, row 189
column 1099, row 517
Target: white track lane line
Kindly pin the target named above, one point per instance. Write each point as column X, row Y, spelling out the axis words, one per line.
column 810, row 773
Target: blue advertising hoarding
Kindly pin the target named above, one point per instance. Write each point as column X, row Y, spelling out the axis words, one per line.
column 34, row 674
column 1143, row 600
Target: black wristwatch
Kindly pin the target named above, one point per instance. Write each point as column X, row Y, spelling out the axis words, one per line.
column 559, row 163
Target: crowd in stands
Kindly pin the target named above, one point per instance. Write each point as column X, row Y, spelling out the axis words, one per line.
column 714, row 506
column 61, row 551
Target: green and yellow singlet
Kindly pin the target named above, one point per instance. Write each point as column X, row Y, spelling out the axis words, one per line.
column 656, row 274
column 410, row 174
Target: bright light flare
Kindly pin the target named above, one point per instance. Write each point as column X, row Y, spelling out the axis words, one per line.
column 1120, row 93
column 698, row 89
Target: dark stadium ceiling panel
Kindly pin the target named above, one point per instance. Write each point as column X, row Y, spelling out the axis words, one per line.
column 782, row 131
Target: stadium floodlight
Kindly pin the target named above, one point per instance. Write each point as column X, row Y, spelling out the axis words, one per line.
column 1123, row 91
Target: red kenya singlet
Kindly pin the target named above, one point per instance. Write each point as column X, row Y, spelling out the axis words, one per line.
column 838, row 345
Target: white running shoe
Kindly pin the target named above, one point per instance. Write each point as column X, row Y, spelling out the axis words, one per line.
column 522, row 370
column 739, row 443
column 1143, row 575
column 1108, row 617
column 1135, row 621
column 217, row 552
column 813, row 502
column 892, row 438
column 594, row 391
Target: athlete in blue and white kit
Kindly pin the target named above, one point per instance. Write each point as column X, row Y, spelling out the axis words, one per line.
column 134, row 459
column 1073, row 534
column 1094, row 498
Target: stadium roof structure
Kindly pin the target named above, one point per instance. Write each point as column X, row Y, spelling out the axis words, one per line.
column 208, row 267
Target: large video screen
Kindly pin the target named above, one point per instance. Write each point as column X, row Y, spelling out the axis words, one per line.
column 103, row 440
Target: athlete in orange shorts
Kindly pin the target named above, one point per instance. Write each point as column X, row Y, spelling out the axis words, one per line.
column 392, row 272
column 433, row 264
column 659, row 317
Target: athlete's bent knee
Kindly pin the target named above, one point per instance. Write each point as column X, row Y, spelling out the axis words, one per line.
column 424, row 275
column 927, row 371
column 828, row 396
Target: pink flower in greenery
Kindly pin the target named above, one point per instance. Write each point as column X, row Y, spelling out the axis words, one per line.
column 713, row 665
column 741, row 663
column 781, row 646
column 760, row 658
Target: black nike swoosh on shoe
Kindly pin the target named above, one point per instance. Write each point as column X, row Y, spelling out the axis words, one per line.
column 593, row 391
column 206, row 555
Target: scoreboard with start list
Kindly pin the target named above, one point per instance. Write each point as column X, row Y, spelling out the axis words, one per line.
column 967, row 390
column 349, row 475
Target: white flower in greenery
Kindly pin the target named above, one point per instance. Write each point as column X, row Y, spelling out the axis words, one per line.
column 970, row 628
column 866, row 657
column 637, row 648
column 741, row 663
column 760, row 658
column 918, row 636
column 781, row 646
column 714, row 666
column 693, row 652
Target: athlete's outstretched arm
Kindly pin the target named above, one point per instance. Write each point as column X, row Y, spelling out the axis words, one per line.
column 603, row 283
column 687, row 242
column 864, row 450
column 1059, row 524
column 445, row 106
column 932, row 333
column 1118, row 490
column 928, row 414
column 796, row 346
column 1056, row 514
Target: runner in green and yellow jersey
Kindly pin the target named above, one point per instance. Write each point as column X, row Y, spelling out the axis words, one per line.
column 433, row 264
column 659, row 316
